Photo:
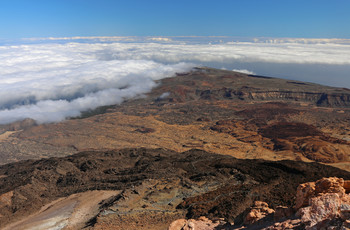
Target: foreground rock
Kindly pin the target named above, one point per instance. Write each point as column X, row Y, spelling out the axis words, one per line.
column 323, row 204
column 309, row 190
column 258, row 211
column 328, row 204
column 202, row 223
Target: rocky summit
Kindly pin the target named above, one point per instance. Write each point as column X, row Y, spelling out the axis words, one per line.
column 226, row 148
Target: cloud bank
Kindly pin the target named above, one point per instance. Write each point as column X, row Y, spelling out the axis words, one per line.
column 231, row 52
column 50, row 81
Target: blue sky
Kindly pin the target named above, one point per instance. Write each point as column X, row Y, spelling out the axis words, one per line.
column 245, row 18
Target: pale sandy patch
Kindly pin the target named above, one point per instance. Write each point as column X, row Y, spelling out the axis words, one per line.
column 5, row 135
column 65, row 213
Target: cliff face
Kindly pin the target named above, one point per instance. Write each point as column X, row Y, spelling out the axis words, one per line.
column 210, row 84
column 252, row 94
column 316, row 98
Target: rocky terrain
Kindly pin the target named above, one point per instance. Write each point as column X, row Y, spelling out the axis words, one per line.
column 205, row 143
column 324, row 204
column 215, row 110
column 145, row 188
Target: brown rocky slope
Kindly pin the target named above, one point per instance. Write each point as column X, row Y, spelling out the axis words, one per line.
column 155, row 186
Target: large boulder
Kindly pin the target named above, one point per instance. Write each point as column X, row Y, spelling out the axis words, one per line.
column 309, row 190
column 259, row 211
column 328, row 203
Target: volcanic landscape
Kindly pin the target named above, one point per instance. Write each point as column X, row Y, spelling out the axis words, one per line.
column 204, row 143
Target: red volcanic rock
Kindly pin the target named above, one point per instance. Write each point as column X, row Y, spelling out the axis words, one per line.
column 323, row 204
column 285, row 130
column 202, row 223
column 178, row 224
column 282, row 212
column 306, row 139
column 328, row 202
column 347, row 186
column 304, row 192
column 324, row 207
column 6, row 199
column 311, row 189
column 330, row 185
column 257, row 212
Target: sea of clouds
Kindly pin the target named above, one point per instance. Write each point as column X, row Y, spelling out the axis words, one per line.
column 49, row 80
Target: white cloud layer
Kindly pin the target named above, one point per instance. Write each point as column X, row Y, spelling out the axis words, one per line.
column 49, row 82
column 229, row 52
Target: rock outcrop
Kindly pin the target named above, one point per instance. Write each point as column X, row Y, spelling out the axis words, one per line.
column 323, row 204
column 327, row 202
column 202, row 223
column 253, row 94
column 257, row 212
column 309, row 190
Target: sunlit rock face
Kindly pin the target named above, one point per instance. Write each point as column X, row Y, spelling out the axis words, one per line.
column 319, row 205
